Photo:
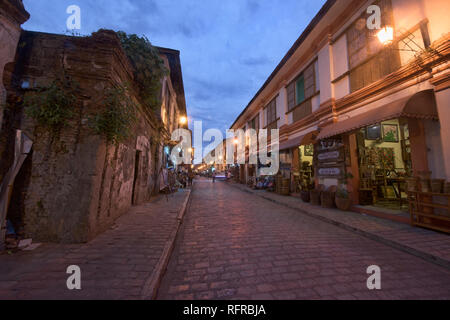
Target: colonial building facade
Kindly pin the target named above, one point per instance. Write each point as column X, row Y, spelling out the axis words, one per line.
column 353, row 106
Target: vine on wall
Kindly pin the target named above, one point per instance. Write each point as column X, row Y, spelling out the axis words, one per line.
column 52, row 107
column 117, row 116
column 148, row 66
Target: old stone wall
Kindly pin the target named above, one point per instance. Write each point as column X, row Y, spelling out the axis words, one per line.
column 76, row 184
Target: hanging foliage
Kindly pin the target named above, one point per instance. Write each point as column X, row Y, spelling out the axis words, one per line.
column 148, row 67
column 117, row 115
column 52, row 107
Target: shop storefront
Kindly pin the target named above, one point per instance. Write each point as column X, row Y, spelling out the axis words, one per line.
column 296, row 162
column 383, row 149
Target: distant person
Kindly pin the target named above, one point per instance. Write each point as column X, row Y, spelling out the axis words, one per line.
column 214, row 177
column 191, row 178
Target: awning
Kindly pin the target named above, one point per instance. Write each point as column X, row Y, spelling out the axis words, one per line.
column 306, row 139
column 421, row 105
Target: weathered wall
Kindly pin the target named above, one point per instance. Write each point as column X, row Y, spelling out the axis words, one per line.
column 77, row 183
column 12, row 15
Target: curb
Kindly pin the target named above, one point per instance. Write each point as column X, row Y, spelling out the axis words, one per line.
column 391, row 243
column 151, row 286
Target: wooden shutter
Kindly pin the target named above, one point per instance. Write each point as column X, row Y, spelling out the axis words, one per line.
column 302, row 111
column 291, row 95
column 310, row 82
column 368, row 60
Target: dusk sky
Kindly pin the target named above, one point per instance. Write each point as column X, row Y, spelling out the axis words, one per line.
column 228, row 48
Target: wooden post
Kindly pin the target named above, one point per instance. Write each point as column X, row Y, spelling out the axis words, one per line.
column 419, row 157
column 295, row 165
column 353, row 183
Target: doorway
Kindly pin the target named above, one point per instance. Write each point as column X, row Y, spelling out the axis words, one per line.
column 135, row 193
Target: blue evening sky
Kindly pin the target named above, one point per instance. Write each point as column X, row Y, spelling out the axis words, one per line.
column 228, row 47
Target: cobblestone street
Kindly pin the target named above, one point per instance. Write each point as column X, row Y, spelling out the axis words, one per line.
column 115, row 265
column 235, row 245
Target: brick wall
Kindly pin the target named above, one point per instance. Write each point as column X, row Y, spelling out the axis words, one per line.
column 75, row 184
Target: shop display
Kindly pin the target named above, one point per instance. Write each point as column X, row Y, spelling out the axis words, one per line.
column 390, row 132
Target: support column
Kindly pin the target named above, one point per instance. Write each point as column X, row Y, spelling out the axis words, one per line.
column 419, row 153
column 443, row 107
column 353, row 183
column 295, row 165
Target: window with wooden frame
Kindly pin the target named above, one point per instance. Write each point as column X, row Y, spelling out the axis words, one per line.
column 302, row 88
column 369, row 61
column 271, row 112
column 254, row 123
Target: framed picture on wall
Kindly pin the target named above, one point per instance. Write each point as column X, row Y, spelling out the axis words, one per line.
column 390, row 133
column 373, row 132
column 309, row 150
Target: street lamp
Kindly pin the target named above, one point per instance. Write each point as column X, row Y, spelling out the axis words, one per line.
column 236, row 141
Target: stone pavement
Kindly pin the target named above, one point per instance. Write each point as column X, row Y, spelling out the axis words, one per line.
column 115, row 265
column 236, row 245
column 428, row 244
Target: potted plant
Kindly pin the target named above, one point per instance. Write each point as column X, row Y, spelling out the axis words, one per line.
column 342, row 198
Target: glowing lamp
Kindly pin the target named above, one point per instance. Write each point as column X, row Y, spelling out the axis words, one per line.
column 183, row 120
column 386, row 35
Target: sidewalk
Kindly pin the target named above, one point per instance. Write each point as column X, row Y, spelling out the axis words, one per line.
column 429, row 245
column 122, row 263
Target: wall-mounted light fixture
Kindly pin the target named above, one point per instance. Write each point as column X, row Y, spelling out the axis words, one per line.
column 386, row 35
column 183, row 120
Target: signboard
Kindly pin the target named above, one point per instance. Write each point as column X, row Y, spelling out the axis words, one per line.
column 330, row 172
column 327, row 156
column 330, row 158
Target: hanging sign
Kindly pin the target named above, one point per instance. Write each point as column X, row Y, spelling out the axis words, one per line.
column 326, row 156
column 333, row 172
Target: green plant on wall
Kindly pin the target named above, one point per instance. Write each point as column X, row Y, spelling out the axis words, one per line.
column 53, row 106
column 148, row 67
column 117, row 115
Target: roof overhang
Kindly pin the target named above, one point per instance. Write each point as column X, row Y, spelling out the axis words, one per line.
column 305, row 139
column 421, row 105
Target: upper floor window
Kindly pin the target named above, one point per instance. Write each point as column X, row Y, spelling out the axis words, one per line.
column 271, row 112
column 254, row 124
column 369, row 61
column 302, row 88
